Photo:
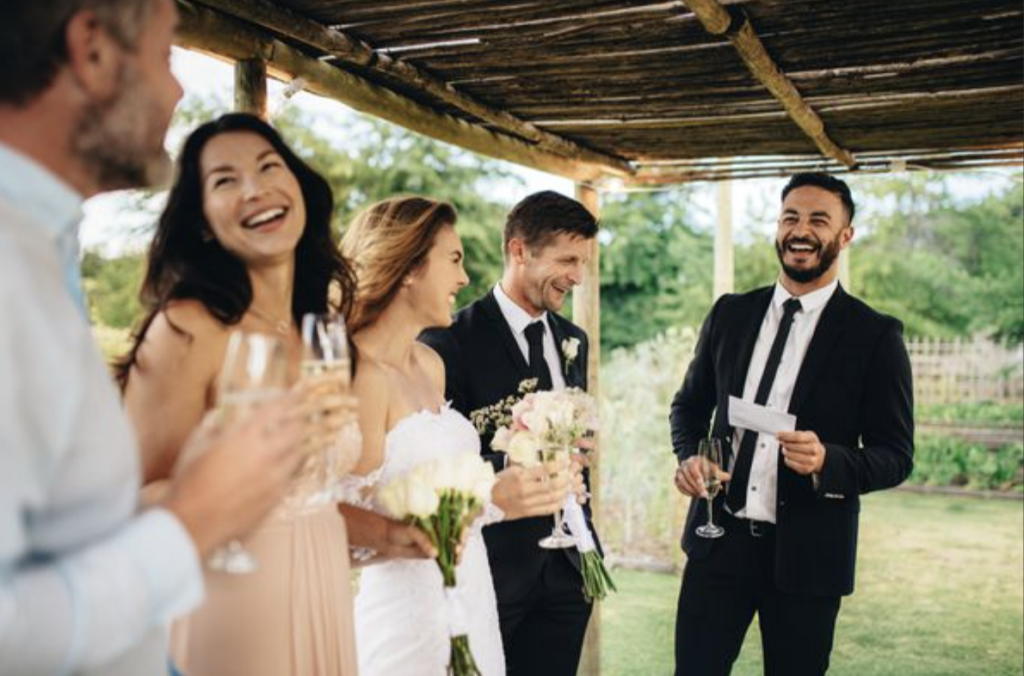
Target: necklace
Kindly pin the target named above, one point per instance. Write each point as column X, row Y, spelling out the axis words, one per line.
column 281, row 326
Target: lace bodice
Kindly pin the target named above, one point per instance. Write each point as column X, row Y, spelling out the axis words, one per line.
column 415, row 440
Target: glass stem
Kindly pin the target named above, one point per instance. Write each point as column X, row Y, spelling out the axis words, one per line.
column 711, row 512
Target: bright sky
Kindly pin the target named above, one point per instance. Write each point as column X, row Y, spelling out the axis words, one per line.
column 112, row 227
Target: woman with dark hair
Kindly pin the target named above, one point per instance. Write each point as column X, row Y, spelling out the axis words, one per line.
column 245, row 243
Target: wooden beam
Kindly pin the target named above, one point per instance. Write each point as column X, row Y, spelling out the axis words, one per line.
column 586, row 312
column 251, row 87
column 280, row 21
column 724, row 274
column 206, row 30
column 734, row 25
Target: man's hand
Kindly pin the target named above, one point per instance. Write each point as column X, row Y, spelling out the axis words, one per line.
column 523, row 493
column 802, row 452
column 690, row 479
column 229, row 479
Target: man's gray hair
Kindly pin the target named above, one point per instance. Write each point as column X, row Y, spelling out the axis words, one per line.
column 32, row 38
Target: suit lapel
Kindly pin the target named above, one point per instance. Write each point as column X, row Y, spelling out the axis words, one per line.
column 490, row 305
column 826, row 336
column 748, row 329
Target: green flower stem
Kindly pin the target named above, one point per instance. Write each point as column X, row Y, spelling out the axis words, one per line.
column 597, row 581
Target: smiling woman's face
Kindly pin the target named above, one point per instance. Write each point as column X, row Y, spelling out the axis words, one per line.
column 251, row 199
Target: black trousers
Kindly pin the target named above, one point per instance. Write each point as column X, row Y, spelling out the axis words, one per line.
column 544, row 632
column 720, row 597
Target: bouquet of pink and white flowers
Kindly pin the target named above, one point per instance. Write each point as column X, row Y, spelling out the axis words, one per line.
column 547, row 426
column 442, row 498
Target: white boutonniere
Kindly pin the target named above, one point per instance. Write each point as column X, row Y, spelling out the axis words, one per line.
column 570, row 350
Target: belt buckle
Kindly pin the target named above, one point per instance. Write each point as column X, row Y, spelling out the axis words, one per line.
column 757, row 529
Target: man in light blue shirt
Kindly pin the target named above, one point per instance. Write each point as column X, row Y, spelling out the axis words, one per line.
column 87, row 581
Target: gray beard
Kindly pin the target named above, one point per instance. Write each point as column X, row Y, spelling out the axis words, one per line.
column 111, row 140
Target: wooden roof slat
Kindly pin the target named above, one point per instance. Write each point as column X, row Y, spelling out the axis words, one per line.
column 719, row 21
column 349, row 50
column 645, row 83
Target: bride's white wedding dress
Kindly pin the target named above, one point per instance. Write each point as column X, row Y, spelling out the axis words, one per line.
column 403, row 618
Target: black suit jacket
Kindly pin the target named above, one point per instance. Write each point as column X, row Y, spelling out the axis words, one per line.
column 854, row 390
column 484, row 365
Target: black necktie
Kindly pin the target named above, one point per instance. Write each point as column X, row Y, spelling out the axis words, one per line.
column 538, row 364
column 737, row 498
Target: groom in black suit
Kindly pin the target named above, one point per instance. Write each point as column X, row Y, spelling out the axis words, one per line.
column 514, row 334
column 791, row 507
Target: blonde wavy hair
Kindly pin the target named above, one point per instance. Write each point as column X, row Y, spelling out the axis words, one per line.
column 386, row 242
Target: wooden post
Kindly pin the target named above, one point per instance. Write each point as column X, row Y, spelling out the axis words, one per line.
column 251, row 87
column 586, row 310
column 844, row 270
column 725, row 266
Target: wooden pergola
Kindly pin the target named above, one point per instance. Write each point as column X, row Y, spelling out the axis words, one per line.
column 632, row 93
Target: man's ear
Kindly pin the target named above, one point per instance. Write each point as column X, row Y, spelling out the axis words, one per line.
column 847, row 236
column 517, row 250
column 94, row 57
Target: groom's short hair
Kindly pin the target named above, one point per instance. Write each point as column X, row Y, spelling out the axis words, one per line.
column 541, row 217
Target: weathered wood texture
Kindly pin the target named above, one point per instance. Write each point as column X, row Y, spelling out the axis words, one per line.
column 643, row 81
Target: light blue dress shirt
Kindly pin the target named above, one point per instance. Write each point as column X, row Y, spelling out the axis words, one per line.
column 50, row 203
column 87, row 583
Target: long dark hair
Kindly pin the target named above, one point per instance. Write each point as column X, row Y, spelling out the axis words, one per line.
column 184, row 263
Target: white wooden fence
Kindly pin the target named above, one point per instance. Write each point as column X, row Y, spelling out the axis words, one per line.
column 964, row 371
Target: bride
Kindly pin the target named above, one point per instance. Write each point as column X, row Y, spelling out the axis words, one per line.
column 409, row 262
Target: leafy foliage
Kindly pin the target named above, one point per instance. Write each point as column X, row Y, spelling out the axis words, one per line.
column 656, row 267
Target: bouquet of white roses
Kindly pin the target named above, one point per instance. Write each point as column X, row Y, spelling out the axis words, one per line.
column 441, row 498
column 544, row 426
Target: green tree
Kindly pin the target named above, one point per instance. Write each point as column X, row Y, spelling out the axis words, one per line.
column 655, row 267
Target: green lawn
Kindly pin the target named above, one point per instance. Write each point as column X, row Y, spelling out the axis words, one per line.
column 940, row 593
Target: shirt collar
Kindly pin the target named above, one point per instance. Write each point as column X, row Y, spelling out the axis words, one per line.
column 51, row 204
column 809, row 302
column 518, row 318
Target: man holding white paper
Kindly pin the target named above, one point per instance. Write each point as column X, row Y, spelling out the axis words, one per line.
column 810, row 389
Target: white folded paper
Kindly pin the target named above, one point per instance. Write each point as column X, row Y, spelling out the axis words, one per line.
column 760, row 419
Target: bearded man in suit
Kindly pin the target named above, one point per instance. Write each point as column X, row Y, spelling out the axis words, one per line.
column 790, row 512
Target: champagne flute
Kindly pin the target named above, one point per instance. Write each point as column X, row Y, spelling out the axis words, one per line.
column 710, row 461
column 326, row 353
column 559, row 539
column 255, row 370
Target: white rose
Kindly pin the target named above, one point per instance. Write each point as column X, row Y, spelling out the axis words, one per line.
column 484, row 483
column 501, row 439
column 524, row 447
column 571, row 348
column 422, row 497
column 392, row 498
column 467, row 468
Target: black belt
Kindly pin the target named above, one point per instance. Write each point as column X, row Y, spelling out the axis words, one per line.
column 756, row 529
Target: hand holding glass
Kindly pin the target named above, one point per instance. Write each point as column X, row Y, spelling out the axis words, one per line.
column 559, row 538
column 255, row 369
column 325, row 357
column 709, row 456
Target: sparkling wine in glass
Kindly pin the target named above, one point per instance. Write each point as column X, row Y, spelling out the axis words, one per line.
column 710, row 461
column 559, row 538
column 255, row 370
column 325, row 356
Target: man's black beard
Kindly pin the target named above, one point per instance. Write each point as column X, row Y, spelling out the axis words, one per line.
column 828, row 253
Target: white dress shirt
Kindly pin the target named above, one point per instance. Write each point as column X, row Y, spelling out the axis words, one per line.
column 87, row 584
column 762, row 489
column 518, row 319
